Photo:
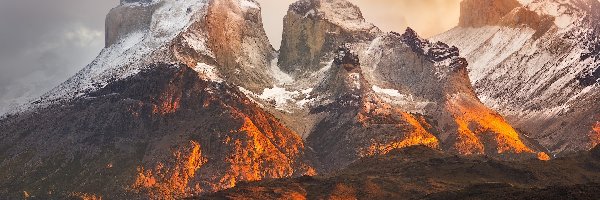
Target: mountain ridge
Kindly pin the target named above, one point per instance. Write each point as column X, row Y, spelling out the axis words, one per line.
column 196, row 100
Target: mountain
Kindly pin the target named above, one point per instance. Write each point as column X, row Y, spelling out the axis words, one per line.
column 188, row 97
column 155, row 116
column 537, row 63
column 420, row 172
column 358, row 98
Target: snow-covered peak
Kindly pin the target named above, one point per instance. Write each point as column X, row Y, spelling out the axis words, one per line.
column 339, row 12
column 134, row 47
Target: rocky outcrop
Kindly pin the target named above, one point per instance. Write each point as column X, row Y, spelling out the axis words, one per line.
column 239, row 43
column 124, row 20
column 313, row 29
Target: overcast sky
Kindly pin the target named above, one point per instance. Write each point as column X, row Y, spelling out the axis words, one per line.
column 42, row 43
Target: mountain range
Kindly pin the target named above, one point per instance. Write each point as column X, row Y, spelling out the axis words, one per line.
column 189, row 98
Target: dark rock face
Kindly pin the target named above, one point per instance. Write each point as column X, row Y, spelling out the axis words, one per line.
column 590, row 79
column 436, row 52
column 346, row 58
column 162, row 133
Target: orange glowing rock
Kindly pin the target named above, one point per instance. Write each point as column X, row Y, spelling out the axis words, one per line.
column 258, row 149
column 543, row 156
column 474, row 121
column 418, row 136
column 168, row 103
column 85, row 196
column 595, row 135
column 171, row 181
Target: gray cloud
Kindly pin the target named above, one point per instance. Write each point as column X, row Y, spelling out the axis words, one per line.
column 42, row 43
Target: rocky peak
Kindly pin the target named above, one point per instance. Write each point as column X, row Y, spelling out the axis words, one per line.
column 346, row 58
column 314, row 29
column 340, row 12
column 435, row 52
column 478, row 13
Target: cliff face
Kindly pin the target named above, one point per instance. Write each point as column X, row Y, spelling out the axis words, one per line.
column 537, row 67
column 313, row 29
column 123, row 20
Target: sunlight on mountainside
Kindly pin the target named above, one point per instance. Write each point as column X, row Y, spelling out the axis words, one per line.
column 474, row 122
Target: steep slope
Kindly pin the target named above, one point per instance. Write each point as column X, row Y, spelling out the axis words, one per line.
column 163, row 133
column 538, row 65
column 313, row 29
column 422, row 173
column 158, row 114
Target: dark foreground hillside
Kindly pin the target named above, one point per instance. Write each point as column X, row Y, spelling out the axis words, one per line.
column 423, row 173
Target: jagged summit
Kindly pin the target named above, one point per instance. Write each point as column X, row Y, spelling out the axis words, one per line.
column 436, row 52
column 340, row 12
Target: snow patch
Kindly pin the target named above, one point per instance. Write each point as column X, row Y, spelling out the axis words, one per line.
column 208, row 72
column 311, row 12
column 389, row 92
column 284, row 100
column 247, row 5
column 563, row 21
column 354, row 80
column 280, row 76
column 199, row 44
column 408, row 102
